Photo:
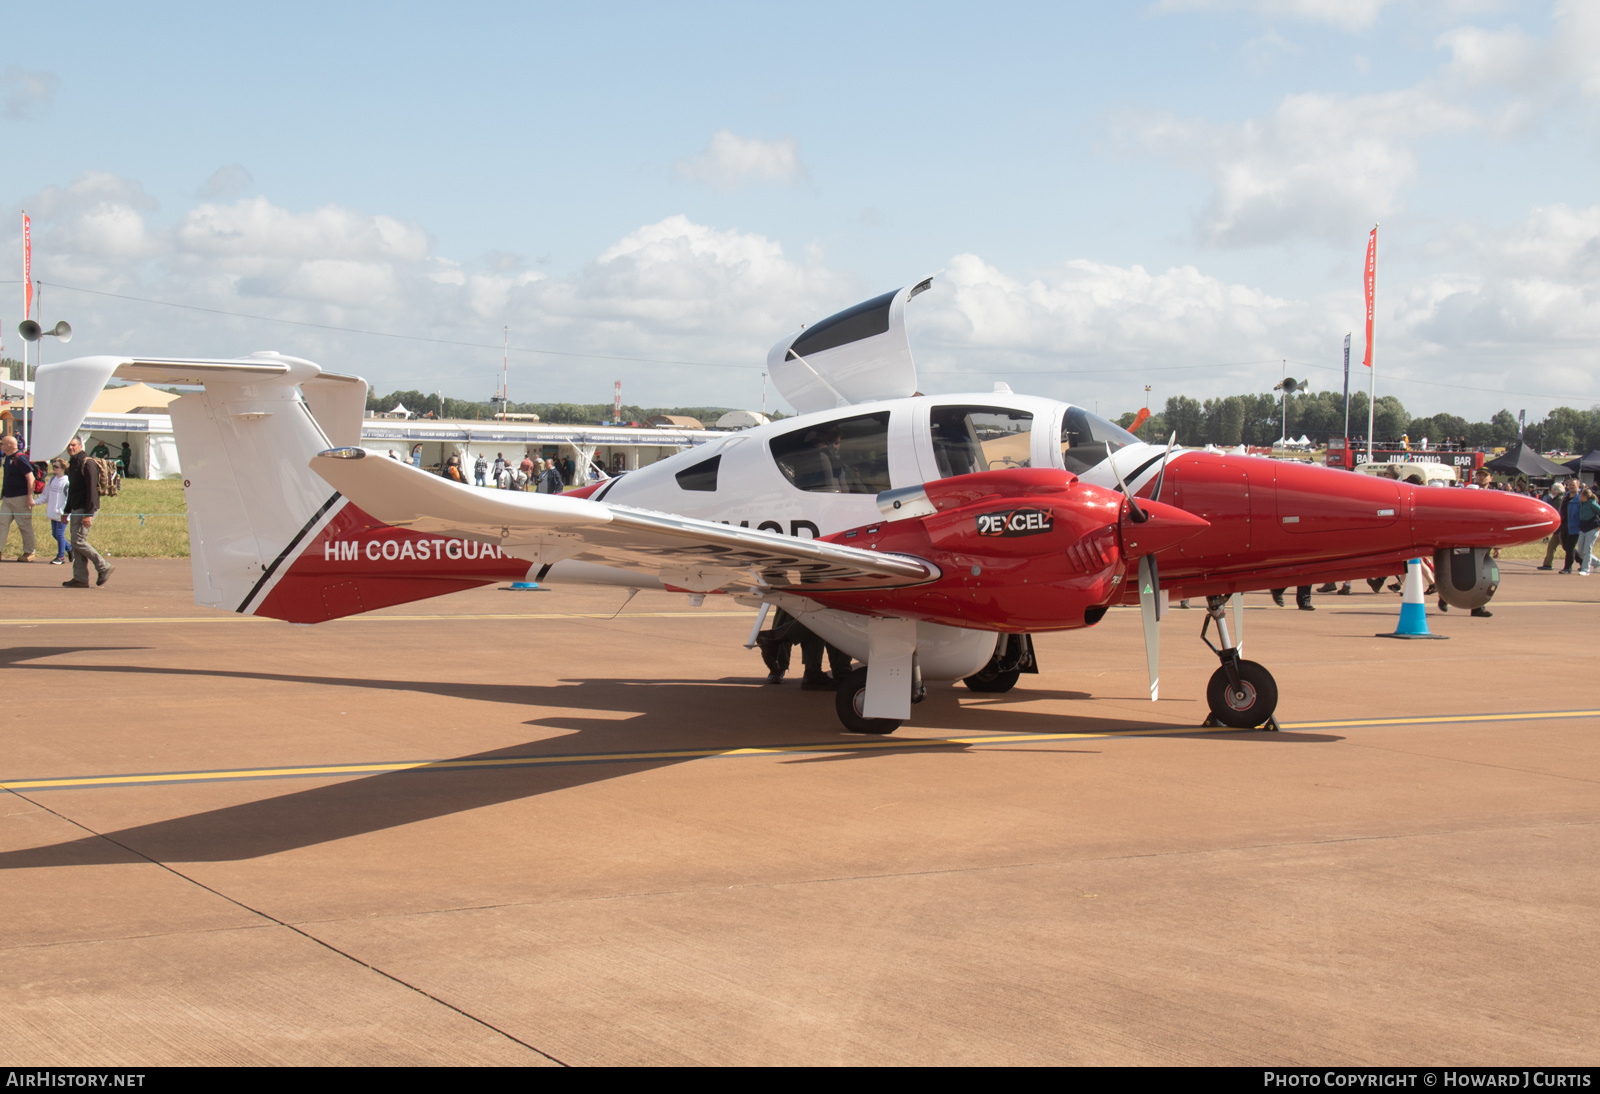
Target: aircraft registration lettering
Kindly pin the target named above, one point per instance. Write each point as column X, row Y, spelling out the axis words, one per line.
column 421, row 550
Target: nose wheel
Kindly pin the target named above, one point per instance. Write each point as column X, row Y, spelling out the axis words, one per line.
column 1241, row 694
column 1246, row 703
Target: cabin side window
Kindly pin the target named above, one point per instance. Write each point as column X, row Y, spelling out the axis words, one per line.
column 980, row 438
column 844, row 456
column 702, row 476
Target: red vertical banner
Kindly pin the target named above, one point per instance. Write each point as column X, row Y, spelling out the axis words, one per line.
column 1372, row 279
column 27, row 267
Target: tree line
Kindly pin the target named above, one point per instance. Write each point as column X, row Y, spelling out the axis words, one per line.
column 1257, row 419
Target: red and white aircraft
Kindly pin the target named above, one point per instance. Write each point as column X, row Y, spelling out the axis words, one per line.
column 926, row 536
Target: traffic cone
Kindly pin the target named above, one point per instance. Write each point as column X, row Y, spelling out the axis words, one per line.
column 1413, row 608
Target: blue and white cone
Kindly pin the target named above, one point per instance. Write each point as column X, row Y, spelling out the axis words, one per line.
column 1413, row 608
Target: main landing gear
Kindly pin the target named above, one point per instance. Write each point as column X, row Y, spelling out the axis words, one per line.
column 850, row 700
column 1013, row 656
column 1242, row 694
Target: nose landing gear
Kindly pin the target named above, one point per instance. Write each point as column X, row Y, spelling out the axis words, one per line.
column 1241, row 694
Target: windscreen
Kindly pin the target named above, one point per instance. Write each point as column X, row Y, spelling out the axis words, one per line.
column 1084, row 437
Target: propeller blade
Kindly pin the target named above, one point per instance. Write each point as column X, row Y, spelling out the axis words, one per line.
column 1135, row 514
column 1237, row 603
column 1150, row 616
column 1162, row 477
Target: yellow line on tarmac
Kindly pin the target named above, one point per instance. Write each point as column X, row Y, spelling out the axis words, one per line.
column 673, row 755
column 1448, row 719
column 233, row 617
column 570, row 759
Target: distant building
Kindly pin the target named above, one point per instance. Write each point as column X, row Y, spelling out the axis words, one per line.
column 741, row 419
column 606, row 449
column 675, row 421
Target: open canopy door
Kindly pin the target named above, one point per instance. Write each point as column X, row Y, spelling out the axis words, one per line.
column 855, row 356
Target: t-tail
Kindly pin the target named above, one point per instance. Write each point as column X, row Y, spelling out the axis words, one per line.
column 267, row 536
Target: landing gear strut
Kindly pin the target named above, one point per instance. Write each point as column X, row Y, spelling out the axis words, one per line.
column 1241, row 694
column 1013, row 656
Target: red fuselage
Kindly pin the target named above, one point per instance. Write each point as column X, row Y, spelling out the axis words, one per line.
column 1275, row 523
column 1033, row 549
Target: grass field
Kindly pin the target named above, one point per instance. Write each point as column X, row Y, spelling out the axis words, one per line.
column 147, row 520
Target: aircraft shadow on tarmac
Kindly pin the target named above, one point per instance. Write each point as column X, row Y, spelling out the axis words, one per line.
column 668, row 715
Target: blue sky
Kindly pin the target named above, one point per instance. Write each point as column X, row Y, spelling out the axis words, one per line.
column 1176, row 194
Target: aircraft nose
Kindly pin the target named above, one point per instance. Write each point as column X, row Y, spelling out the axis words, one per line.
column 1478, row 518
column 1167, row 525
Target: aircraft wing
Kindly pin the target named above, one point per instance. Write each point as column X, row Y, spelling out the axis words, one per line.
column 697, row 555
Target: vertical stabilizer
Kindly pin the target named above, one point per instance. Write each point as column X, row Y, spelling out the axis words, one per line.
column 267, row 535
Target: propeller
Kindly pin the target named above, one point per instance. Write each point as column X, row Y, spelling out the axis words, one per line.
column 1150, row 616
column 1135, row 514
column 1155, row 495
column 1149, row 583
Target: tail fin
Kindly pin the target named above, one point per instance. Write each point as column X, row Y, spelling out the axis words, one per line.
column 267, row 536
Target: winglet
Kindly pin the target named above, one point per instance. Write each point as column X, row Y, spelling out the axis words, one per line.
column 64, row 392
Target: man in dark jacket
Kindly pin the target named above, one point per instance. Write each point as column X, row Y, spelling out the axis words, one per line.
column 83, row 502
column 16, row 497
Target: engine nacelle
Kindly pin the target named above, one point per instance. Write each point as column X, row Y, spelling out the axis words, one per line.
column 1466, row 576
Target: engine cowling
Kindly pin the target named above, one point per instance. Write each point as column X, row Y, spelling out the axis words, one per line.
column 1022, row 549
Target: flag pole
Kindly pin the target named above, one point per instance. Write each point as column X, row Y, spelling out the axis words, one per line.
column 1347, row 397
column 1372, row 374
column 27, row 313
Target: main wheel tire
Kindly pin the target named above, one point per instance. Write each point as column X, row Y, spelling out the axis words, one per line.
column 848, row 700
column 1251, row 705
column 993, row 682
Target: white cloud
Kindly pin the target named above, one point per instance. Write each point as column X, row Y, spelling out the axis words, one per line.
column 1535, row 71
column 25, row 96
column 225, row 182
column 1123, row 316
column 1326, row 166
column 256, row 229
column 1522, row 304
column 1349, row 15
column 1535, row 284
column 696, row 290
column 1266, row 50
column 1319, row 165
column 731, row 161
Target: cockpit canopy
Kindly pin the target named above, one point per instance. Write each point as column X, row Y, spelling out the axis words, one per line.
column 1084, row 437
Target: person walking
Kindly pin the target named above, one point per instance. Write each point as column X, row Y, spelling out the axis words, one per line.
column 55, row 507
column 16, row 496
column 1571, row 525
column 83, row 502
column 1302, row 597
column 1557, row 500
column 1588, row 529
column 480, row 469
